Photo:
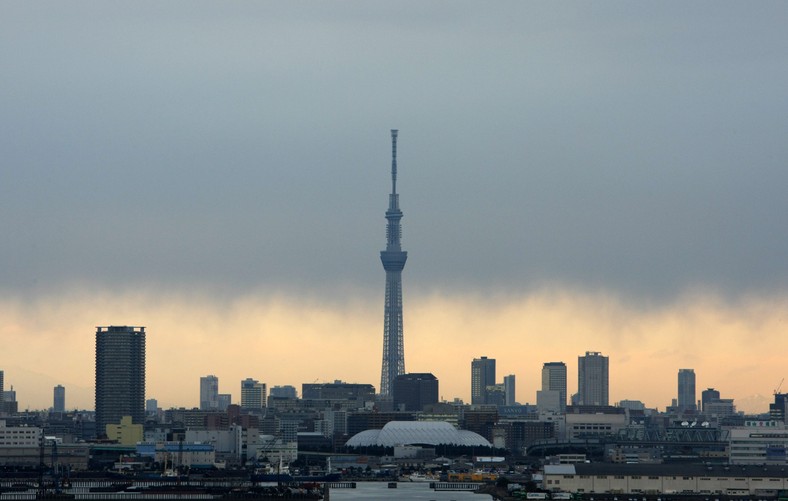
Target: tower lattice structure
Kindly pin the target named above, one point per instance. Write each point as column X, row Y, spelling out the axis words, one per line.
column 393, row 259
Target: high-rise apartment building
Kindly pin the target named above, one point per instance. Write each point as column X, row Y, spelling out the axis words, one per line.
column 59, row 399
column 554, row 379
column 2, row 391
column 253, row 394
column 393, row 259
column 209, row 393
column 482, row 376
column 120, row 375
column 593, row 384
column 686, row 400
column 509, row 389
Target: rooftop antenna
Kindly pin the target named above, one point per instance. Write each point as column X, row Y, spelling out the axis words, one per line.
column 394, row 161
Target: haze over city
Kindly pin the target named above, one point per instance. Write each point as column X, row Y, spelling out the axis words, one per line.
column 573, row 177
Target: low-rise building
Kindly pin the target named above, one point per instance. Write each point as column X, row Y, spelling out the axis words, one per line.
column 759, row 442
column 665, row 479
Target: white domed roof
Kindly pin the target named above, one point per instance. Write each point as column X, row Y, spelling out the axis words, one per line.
column 417, row 432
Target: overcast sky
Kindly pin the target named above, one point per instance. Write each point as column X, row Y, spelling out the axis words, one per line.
column 634, row 150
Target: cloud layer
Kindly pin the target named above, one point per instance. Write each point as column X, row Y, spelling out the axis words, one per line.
column 734, row 347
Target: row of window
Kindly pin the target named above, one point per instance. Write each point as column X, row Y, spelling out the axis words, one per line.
column 638, row 477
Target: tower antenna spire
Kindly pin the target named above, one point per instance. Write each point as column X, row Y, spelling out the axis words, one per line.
column 393, row 259
column 394, row 133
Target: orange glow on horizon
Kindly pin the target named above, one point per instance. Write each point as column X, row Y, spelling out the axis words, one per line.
column 735, row 348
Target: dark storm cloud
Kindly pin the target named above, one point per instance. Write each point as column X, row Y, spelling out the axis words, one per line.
column 632, row 147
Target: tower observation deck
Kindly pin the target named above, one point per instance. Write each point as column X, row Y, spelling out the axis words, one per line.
column 393, row 259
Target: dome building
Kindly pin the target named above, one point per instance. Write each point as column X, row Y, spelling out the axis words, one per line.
column 417, row 433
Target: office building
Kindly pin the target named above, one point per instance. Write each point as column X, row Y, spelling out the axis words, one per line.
column 286, row 391
column 777, row 410
column 151, row 406
column 411, row 392
column 59, row 399
column 338, row 390
column 225, row 400
column 482, row 376
column 120, row 375
column 509, row 389
column 720, row 408
column 686, row 400
column 759, row 442
column 554, row 379
column 707, row 396
column 593, row 379
column 209, row 393
column 393, row 259
column 495, row 394
column 549, row 401
column 253, row 394
column 10, row 405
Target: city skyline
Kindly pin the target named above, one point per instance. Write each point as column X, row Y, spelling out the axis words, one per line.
column 580, row 177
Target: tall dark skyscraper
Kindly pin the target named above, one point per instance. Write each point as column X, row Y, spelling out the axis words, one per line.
column 686, row 400
column 120, row 375
column 393, row 259
column 414, row 391
column 482, row 376
column 59, row 399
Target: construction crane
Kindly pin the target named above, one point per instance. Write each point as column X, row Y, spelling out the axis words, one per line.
column 779, row 386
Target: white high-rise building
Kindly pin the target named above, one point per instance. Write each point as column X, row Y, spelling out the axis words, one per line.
column 253, row 394
column 593, row 386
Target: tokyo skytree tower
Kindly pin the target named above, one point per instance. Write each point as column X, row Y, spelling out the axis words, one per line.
column 393, row 259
